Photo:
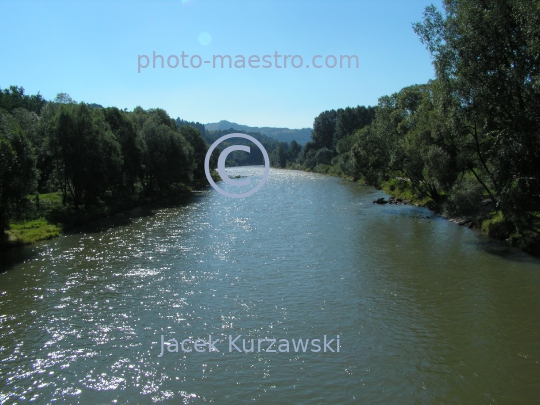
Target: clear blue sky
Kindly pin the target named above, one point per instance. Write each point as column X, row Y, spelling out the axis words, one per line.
column 89, row 49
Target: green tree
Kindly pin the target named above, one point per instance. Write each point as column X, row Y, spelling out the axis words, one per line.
column 200, row 147
column 324, row 130
column 64, row 98
column 486, row 60
column 86, row 153
column 307, row 155
column 168, row 156
column 324, row 156
column 294, row 151
column 18, row 173
column 370, row 157
column 279, row 155
column 352, row 119
column 14, row 97
column 48, row 179
column 132, row 147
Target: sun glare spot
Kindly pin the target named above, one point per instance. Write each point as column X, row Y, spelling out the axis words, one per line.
column 205, row 38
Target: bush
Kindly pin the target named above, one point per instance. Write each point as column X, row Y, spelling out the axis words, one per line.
column 529, row 242
column 465, row 198
column 497, row 227
column 336, row 170
column 324, row 156
column 321, row 168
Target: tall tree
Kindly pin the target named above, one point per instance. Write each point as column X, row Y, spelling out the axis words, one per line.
column 487, row 65
column 18, row 173
column 200, row 147
column 14, row 97
column 168, row 156
column 294, row 151
column 352, row 119
column 324, row 130
column 279, row 155
column 87, row 155
column 131, row 143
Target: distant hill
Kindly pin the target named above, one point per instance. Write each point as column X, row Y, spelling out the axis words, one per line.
column 281, row 134
column 255, row 157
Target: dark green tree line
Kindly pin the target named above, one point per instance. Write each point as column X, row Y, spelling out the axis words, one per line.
column 90, row 153
column 18, row 173
column 470, row 135
column 487, row 65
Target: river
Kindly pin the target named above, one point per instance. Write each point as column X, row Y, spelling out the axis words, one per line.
column 426, row 311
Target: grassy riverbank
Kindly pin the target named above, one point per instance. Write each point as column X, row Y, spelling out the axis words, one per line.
column 37, row 225
column 50, row 218
column 28, row 232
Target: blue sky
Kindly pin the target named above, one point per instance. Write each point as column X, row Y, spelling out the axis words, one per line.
column 90, row 49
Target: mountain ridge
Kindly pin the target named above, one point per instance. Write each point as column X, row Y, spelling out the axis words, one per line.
column 301, row 136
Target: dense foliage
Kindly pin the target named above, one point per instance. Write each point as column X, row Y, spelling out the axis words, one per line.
column 93, row 155
column 90, row 153
column 467, row 139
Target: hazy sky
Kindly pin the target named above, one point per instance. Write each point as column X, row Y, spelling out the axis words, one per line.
column 90, row 50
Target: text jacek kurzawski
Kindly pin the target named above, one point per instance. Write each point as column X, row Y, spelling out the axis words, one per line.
column 238, row 344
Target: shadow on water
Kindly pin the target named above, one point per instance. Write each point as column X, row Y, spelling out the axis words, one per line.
column 499, row 248
column 126, row 217
column 11, row 257
column 502, row 249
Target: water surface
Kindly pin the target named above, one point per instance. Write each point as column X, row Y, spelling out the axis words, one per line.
column 427, row 311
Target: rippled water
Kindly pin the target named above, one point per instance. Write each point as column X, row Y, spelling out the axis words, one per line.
column 427, row 311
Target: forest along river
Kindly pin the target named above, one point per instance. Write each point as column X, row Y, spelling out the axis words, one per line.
column 426, row 311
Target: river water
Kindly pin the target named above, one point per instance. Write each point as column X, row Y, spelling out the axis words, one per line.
column 427, row 312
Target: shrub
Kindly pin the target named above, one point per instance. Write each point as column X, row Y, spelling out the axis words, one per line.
column 465, row 198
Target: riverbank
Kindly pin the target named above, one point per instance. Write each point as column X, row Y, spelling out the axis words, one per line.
column 50, row 218
column 486, row 219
